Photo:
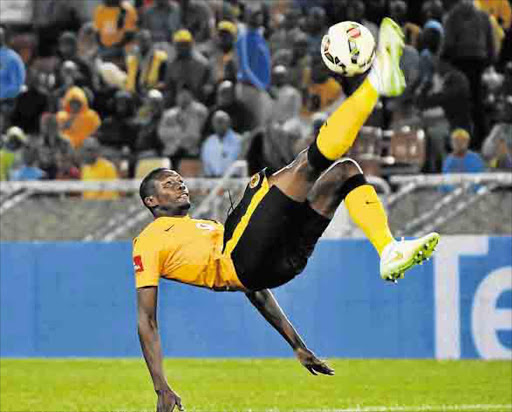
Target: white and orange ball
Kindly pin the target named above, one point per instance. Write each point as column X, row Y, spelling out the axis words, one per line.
column 348, row 48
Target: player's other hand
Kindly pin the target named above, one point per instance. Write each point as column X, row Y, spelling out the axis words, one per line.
column 168, row 400
column 312, row 363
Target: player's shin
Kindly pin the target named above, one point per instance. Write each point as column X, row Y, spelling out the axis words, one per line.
column 341, row 128
column 367, row 212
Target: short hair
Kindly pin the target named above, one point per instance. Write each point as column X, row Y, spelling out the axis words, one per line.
column 147, row 186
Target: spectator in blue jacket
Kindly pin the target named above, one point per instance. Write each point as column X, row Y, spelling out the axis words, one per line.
column 12, row 77
column 222, row 148
column 12, row 70
column 254, row 67
column 462, row 160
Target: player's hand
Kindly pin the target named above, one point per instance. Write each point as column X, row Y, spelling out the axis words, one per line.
column 312, row 363
column 167, row 400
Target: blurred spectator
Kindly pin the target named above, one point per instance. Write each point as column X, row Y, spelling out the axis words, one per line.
column 221, row 149
column 502, row 159
column 115, row 22
column 162, row 19
column 398, row 12
column 52, row 146
column 287, row 31
column 50, row 19
column 68, row 51
column 299, row 68
column 279, row 143
column 430, row 44
column 87, row 42
column 77, row 121
column 356, row 11
column 500, row 9
column 96, row 168
column 30, row 104
column 462, row 160
column 119, row 129
column 445, row 106
column 497, row 147
column 29, row 169
column 432, row 10
column 241, row 118
column 197, row 17
column 316, row 28
column 12, row 77
column 323, row 90
column 146, row 66
column 254, row 68
column 402, row 108
column 189, row 67
column 451, row 92
column 180, row 127
column 223, row 58
column 12, row 70
column 68, row 75
column 469, row 46
column 287, row 99
column 317, row 121
column 148, row 118
column 11, row 151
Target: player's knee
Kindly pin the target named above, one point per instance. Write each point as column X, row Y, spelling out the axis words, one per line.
column 344, row 169
column 317, row 161
column 303, row 166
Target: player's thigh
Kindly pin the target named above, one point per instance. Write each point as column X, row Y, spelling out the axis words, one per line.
column 327, row 192
column 296, row 179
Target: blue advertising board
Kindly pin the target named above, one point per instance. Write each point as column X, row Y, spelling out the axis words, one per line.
column 78, row 299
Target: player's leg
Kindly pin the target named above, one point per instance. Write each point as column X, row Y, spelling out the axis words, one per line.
column 344, row 181
column 340, row 130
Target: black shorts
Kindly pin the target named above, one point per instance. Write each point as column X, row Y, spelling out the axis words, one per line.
column 270, row 236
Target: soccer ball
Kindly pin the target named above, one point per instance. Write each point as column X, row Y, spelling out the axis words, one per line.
column 348, row 48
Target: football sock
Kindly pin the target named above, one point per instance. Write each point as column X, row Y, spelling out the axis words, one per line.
column 341, row 128
column 367, row 212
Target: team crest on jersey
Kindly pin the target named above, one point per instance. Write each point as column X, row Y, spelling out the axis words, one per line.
column 254, row 181
column 204, row 226
column 137, row 264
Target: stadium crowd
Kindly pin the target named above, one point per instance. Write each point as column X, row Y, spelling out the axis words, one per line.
column 105, row 89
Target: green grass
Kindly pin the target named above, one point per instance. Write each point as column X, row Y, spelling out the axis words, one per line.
column 256, row 385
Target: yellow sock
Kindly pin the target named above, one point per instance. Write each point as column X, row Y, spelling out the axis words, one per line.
column 341, row 128
column 367, row 212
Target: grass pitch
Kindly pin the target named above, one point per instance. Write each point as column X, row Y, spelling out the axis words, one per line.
column 210, row 385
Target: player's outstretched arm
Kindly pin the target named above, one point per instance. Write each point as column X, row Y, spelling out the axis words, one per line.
column 267, row 305
column 152, row 349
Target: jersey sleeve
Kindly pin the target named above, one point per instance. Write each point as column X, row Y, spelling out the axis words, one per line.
column 146, row 263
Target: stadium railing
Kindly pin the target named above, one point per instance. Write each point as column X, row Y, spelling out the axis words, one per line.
column 418, row 204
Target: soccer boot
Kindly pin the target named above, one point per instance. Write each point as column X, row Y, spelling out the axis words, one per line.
column 397, row 257
column 386, row 75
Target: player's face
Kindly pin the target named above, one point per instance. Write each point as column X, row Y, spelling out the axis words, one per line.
column 172, row 193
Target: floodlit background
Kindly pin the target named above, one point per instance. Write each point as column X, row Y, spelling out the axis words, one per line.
column 94, row 94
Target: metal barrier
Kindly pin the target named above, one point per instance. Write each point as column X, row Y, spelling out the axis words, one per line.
column 54, row 210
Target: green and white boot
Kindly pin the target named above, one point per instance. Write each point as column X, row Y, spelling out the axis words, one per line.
column 385, row 75
column 397, row 257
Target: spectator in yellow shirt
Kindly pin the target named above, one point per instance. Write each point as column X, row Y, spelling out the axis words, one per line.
column 115, row 22
column 96, row 168
column 77, row 121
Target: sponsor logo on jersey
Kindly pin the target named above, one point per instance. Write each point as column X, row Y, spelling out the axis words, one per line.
column 137, row 264
column 254, row 181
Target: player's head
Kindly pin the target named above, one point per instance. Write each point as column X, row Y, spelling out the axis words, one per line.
column 164, row 193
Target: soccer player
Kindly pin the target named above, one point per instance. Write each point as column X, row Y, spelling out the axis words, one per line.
column 269, row 236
